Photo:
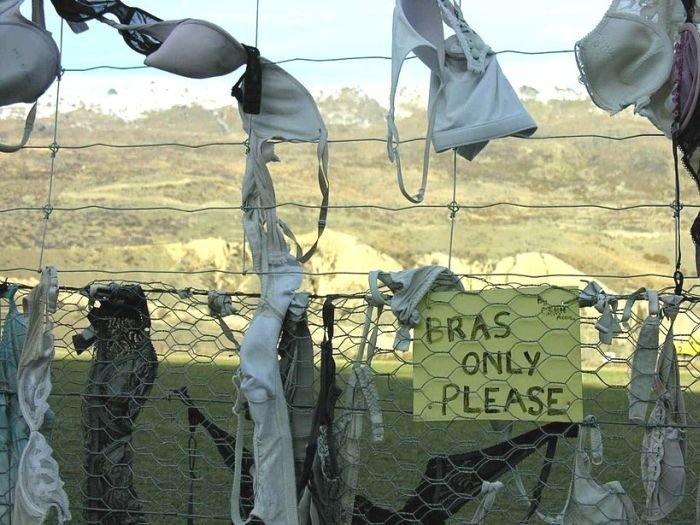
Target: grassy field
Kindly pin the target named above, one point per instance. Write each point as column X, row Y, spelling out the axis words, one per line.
column 389, row 469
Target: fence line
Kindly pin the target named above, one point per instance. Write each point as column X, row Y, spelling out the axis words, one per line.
column 193, row 351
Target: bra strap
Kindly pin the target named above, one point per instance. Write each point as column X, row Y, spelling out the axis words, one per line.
column 236, row 517
column 250, row 95
column 399, row 54
column 38, row 16
column 28, row 127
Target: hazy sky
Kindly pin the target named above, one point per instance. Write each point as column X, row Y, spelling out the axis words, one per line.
column 325, row 29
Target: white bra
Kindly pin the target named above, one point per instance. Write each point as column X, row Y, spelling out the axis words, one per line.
column 471, row 101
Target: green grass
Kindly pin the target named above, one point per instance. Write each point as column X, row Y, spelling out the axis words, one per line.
column 389, row 469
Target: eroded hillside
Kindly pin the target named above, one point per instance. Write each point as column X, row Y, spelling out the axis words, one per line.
column 166, row 207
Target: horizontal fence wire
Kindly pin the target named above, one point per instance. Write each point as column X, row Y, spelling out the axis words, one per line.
column 449, row 206
column 157, row 271
column 322, row 60
column 330, row 141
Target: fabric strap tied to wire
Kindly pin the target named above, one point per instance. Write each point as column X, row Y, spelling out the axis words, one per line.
column 608, row 325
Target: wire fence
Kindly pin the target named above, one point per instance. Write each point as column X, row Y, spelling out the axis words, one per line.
column 172, row 431
column 180, row 446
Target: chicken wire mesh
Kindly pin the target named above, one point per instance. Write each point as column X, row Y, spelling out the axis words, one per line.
column 144, row 430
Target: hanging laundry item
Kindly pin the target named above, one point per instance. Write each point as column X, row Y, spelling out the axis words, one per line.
column 328, row 481
column 320, row 484
column 590, row 503
column 627, row 59
column 297, row 371
column 287, row 112
column 471, row 101
column 608, row 325
column 14, row 431
column 409, row 287
column 450, row 482
column 643, row 360
column 189, row 47
column 81, row 11
column 121, row 377
column 361, row 398
column 38, row 488
column 29, row 61
column 326, row 447
column 664, row 448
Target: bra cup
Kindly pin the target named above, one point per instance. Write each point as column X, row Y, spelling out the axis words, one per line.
column 288, row 110
column 624, row 60
column 659, row 108
column 595, row 504
column 29, row 61
column 417, row 28
column 195, row 49
column 591, row 503
column 472, row 108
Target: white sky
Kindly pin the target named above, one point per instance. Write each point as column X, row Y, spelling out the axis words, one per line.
column 321, row 29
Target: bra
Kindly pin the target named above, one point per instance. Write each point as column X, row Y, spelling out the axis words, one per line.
column 643, row 359
column 470, row 100
column 38, row 486
column 627, row 59
column 664, row 447
column 590, row 503
column 190, row 47
column 29, row 61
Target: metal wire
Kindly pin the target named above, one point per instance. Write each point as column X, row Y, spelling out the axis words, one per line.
column 379, row 207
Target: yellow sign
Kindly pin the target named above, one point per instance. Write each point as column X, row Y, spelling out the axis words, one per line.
column 498, row 353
